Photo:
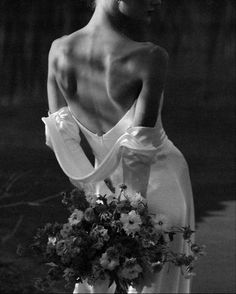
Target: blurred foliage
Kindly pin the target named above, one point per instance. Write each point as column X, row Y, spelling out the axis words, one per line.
column 198, row 34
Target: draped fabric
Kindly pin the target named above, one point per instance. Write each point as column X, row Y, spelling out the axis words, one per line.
column 144, row 159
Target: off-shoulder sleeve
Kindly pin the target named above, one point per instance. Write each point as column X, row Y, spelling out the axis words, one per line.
column 138, row 158
column 62, row 135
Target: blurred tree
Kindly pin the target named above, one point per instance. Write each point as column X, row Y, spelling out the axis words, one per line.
column 198, row 34
column 216, row 11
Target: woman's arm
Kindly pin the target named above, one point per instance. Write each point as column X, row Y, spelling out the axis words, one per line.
column 56, row 99
column 153, row 74
column 136, row 166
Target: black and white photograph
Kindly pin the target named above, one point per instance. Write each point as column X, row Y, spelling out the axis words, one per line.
column 117, row 146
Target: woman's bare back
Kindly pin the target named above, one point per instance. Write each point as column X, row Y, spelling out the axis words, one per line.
column 100, row 76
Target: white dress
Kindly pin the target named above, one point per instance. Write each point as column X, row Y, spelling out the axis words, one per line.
column 145, row 160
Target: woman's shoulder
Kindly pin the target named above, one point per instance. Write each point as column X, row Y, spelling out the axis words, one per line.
column 152, row 54
column 144, row 50
column 63, row 57
column 149, row 58
column 59, row 46
column 58, row 53
column 65, row 46
column 152, row 50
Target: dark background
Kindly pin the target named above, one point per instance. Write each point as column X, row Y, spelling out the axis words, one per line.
column 198, row 114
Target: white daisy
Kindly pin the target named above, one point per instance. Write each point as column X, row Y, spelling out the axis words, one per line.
column 52, row 241
column 131, row 222
column 161, row 222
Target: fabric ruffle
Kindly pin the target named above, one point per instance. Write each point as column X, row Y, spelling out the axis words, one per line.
column 62, row 135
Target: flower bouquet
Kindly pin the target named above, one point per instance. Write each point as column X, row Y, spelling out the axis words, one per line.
column 111, row 237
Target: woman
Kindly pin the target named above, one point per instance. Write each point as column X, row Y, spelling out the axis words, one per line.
column 105, row 84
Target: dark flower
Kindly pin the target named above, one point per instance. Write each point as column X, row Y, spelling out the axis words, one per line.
column 66, row 258
column 187, row 233
column 98, row 244
column 106, row 216
column 92, row 199
column 63, row 246
column 49, row 230
column 69, row 274
column 183, row 259
column 110, row 259
column 147, row 243
column 89, row 214
column 117, row 225
column 76, row 199
column 98, row 273
column 54, row 273
column 130, row 270
column 188, row 260
column 100, row 208
column 113, row 252
column 75, row 251
column 76, row 217
column 100, row 232
column 123, row 207
column 123, row 187
column 60, row 247
column 141, row 208
column 196, row 249
column 66, row 230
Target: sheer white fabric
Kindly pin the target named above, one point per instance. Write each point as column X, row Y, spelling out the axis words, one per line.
column 142, row 158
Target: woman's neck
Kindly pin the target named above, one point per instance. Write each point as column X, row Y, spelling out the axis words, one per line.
column 108, row 20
